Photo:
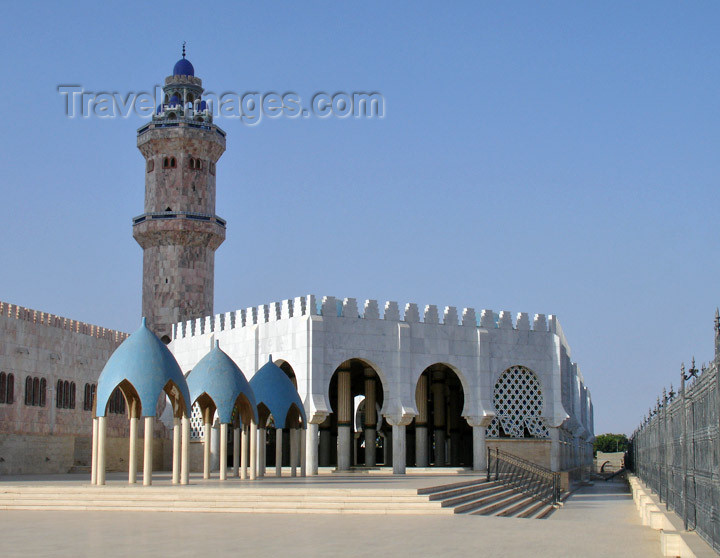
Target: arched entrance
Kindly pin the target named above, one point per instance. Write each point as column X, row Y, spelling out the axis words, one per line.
column 354, row 385
column 441, row 437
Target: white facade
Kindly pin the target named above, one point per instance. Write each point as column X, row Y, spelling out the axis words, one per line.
column 316, row 339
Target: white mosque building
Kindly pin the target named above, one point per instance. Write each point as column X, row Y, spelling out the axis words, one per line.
column 378, row 384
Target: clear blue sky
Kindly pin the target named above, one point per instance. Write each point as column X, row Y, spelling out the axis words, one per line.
column 555, row 157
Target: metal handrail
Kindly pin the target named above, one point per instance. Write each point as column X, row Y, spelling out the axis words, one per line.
column 524, row 476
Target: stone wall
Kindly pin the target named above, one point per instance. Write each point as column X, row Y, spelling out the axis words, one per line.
column 537, row 451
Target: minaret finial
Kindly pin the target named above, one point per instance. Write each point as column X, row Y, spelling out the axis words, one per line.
column 184, row 48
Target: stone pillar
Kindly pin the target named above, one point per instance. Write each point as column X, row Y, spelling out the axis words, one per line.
column 370, row 418
column 398, row 449
column 148, row 453
column 132, row 448
column 453, row 421
column 206, row 444
column 223, row 450
column 244, row 452
column 293, row 450
column 253, row 450
column 102, row 431
column 176, row 451
column 311, row 449
column 554, row 448
column 302, row 440
column 278, row 452
column 438, row 389
column 236, row 452
column 344, row 449
column 93, row 457
column 325, row 443
column 388, row 449
column 262, row 452
column 185, row 459
column 215, row 447
column 479, row 448
column 421, row 439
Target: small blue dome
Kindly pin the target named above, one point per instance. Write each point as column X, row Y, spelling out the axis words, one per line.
column 148, row 365
column 219, row 377
column 183, row 68
column 275, row 390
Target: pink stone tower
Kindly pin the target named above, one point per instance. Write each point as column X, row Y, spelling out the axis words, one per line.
column 179, row 231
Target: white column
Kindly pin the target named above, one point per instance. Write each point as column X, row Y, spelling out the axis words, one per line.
column 479, row 448
column 554, row 449
column 185, row 460
column 93, row 456
column 176, row 451
column 278, row 452
column 223, row 450
column 101, row 450
column 438, row 388
column 302, row 440
column 293, row 432
column 206, row 446
column 236, row 452
column 398, row 444
column 132, row 451
column 253, row 450
column 344, row 441
column 311, row 449
column 244, row 452
column 262, row 452
column 148, row 458
column 370, row 418
column 421, row 437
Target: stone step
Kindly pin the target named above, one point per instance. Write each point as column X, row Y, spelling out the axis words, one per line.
column 533, row 510
column 474, row 495
column 518, row 508
column 446, row 494
column 484, row 500
column 449, row 487
column 491, row 508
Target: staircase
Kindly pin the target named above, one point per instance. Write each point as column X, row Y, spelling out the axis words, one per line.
column 223, row 499
column 480, row 497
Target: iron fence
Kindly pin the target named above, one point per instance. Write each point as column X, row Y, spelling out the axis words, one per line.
column 676, row 450
column 524, row 476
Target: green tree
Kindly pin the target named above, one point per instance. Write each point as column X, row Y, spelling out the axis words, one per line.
column 610, row 443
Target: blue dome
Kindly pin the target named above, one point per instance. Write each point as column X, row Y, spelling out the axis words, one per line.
column 273, row 388
column 183, row 68
column 148, row 365
column 218, row 376
column 174, row 101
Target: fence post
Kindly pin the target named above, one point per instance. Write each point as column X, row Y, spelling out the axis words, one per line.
column 497, row 460
column 683, row 445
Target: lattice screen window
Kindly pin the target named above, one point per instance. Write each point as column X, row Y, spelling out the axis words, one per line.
column 518, row 404
column 197, row 428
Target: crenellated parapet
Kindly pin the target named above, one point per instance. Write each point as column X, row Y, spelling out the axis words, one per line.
column 348, row 308
column 51, row 320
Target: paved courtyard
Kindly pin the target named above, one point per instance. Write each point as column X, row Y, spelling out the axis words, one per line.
column 596, row 521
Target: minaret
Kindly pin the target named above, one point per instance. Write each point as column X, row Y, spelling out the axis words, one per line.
column 179, row 231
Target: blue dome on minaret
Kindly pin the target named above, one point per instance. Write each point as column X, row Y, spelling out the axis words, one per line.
column 183, row 66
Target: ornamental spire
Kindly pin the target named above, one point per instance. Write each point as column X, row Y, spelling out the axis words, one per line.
column 183, row 52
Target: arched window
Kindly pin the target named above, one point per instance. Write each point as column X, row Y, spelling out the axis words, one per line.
column 87, row 405
column 36, row 392
column 117, row 402
column 43, row 389
column 10, row 398
column 92, row 397
column 518, row 404
column 66, row 394
column 72, row 395
column 28, row 390
column 166, row 162
column 3, row 386
column 59, row 394
column 173, row 162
